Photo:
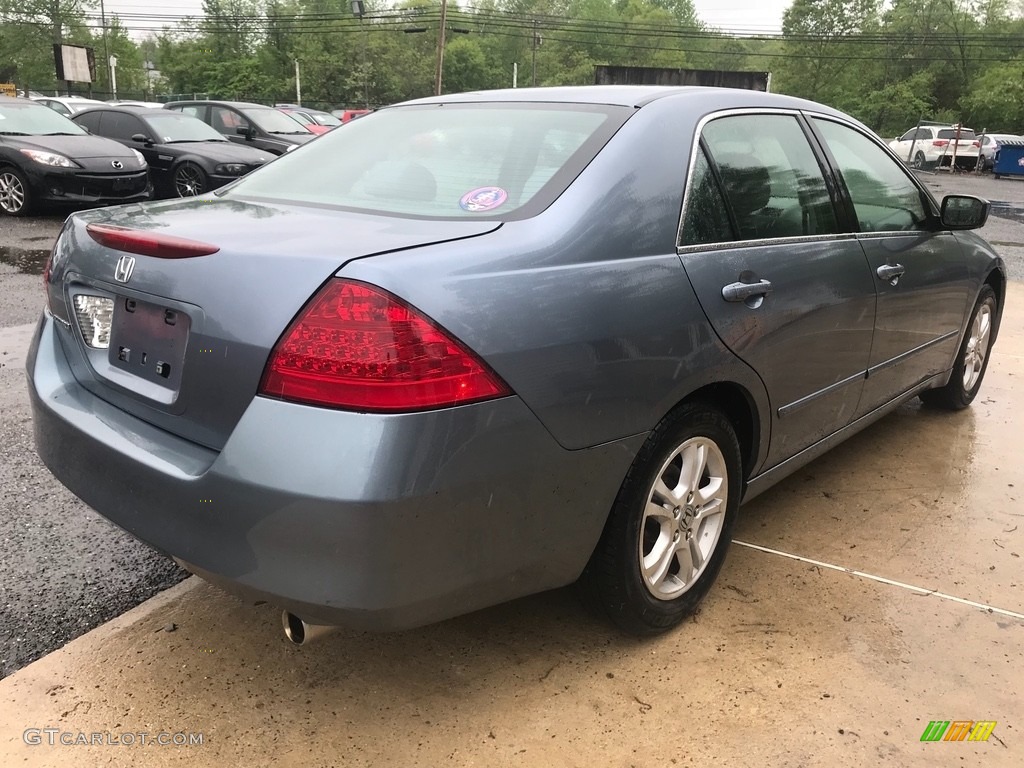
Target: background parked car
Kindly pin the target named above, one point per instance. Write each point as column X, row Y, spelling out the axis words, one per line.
column 990, row 147
column 314, row 120
column 46, row 158
column 931, row 145
column 263, row 127
column 133, row 103
column 67, row 105
column 186, row 156
column 349, row 114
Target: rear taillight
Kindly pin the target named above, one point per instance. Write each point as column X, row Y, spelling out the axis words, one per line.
column 940, row 143
column 358, row 347
column 975, row 143
column 148, row 243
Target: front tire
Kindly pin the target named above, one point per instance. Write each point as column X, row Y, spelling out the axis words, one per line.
column 190, row 180
column 15, row 193
column 668, row 532
column 972, row 357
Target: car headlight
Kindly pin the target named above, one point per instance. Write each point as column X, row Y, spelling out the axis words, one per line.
column 50, row 158
column 231, row 169
column 139, row 157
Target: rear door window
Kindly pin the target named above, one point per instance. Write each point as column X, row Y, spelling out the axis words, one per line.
column 705, row 219
column 771, row 178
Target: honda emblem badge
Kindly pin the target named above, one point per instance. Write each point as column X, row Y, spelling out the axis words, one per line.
column 117, row 164
column 124, row 268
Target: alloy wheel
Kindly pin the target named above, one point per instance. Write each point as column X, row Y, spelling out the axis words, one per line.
column 683, row 518
column 12, row 193
column 188, row 181
column 977, row 346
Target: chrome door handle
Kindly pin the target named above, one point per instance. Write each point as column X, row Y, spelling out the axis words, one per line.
column 744, row 291
column 891, row 272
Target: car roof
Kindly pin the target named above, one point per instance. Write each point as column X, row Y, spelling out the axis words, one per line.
column 631, row 96
column 69, row 98
column 219, row 103
column 20, row 101
column 129, row 108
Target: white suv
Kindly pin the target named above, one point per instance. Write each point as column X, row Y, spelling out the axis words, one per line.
column 934, row 145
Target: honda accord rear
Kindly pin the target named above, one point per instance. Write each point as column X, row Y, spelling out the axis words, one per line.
column 294, row 397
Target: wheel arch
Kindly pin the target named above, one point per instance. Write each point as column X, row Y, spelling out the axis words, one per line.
column 996, row 280
column 740, row 408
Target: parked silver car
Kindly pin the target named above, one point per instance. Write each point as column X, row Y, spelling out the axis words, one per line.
column 990, row 147
column 477, row 346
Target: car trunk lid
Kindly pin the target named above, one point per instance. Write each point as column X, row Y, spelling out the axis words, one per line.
column 181, row 340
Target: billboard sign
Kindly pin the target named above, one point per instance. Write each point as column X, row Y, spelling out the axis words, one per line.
column 75, row 63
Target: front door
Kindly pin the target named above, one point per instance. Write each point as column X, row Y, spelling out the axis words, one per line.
column 919, row 270
column 785, row 289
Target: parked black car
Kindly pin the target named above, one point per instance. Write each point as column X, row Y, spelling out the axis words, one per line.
column 262, row 127
column 186, row 156
column 46, row 158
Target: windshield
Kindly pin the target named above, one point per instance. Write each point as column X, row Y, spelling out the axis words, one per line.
column 273, row 121
column 324, row 119
column 34, row 120
column 966, row 134
column 302, row 118
column 443, row 161
column 173, row 126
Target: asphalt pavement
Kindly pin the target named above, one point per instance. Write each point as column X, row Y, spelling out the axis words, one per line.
column 65, row 570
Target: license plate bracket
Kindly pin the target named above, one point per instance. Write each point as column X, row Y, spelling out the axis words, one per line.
column 148, row 340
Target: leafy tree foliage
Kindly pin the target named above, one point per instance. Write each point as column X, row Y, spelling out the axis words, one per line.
column 889, row 63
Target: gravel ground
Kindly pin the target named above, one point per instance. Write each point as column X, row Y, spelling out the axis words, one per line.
column 63, row 568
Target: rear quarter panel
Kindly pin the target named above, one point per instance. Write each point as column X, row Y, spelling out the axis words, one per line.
column 584, row 310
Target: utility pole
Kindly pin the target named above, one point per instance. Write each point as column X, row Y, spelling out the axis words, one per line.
column 106, row 50
column 535, row 42
column 440, row 48
column 298, row 85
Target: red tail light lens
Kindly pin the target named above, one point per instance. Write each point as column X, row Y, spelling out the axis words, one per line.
column 147, row 243
column 940, row 142
column 358, row 347
column 975, row 143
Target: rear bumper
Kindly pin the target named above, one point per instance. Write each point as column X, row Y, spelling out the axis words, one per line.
column 365, row 520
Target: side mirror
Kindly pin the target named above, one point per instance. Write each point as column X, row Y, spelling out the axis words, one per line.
column 141, row 137
column 245, row 130
column 964, row 212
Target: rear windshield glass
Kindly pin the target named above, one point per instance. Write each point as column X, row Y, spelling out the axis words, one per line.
column 966, row 134
column 499, row 161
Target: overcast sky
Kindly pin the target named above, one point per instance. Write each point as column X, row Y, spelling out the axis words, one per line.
column 741, row 15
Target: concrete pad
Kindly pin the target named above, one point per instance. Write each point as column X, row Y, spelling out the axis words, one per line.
column 787, row 663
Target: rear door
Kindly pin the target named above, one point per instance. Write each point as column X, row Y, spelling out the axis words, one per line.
column 783, row 286
column 918, row 270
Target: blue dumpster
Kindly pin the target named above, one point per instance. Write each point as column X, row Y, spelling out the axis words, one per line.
column 1010, row 158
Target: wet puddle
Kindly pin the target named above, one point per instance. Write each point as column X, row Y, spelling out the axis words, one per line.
column 31, row 261
column 1008, row 210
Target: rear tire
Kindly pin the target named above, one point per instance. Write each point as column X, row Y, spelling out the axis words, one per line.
column 15, row 193
column 971, row 359
column 920, row 164
column 669, row 529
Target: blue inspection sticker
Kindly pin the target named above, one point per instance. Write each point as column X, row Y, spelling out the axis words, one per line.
column 483, row 199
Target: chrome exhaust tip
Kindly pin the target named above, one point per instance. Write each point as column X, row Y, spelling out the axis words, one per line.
column 301, row 633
